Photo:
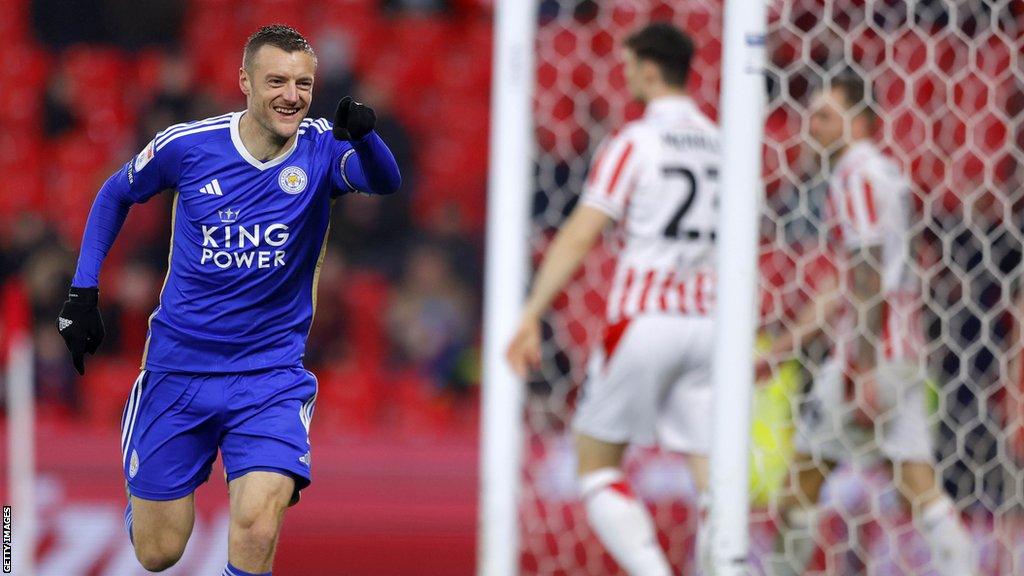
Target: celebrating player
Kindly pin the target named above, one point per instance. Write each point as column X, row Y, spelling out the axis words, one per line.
column 868, row 397
column 222, row 367
column 650, row 377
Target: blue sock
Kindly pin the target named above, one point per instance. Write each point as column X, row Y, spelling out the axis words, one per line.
column 230, row 570
column 128, row 521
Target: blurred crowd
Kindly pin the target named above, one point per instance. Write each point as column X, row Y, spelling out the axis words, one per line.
column 396, row 332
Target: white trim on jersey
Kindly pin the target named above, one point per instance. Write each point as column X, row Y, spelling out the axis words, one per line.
column 171, row 130
column 236, row 139
column 221, row 126
column 344, row 158
column 642, row 291
column 612, row 177
column 312, row 122
column 861, row 208
column 131, row 411
column 866, row 199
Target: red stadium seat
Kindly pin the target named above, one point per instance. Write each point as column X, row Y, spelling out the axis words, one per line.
column 21, row 161
column 348, row 398
column 78, row 168
column 105, row 388
column 366, row 300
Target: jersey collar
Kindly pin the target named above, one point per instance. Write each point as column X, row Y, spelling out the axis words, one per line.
column 236, row 139
column 668, row 105
column 853, row 151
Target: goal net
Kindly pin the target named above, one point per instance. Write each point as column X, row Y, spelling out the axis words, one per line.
column 948, row 84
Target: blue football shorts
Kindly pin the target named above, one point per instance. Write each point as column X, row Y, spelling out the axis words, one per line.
column 174, row 423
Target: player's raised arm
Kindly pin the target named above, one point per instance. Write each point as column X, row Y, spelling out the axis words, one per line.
column 369, row 166
column 79, row 321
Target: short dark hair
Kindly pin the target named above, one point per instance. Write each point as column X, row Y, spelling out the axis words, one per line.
column 857, row 93
column 668, row 47
column 279, row 36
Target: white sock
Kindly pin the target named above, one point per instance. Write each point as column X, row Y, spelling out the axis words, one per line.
column 622, row 523
column 702, row 549
column 794, row 545
column 951, row 546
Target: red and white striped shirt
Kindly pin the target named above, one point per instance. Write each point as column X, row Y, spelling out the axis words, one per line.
column 659, row 178
column 869, row 204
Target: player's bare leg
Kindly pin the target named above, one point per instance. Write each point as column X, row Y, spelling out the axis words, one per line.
column 619, row 519
column 936, row 517
column 797, row 515
column 160, row 529
column 700, row 471
column 258, row 502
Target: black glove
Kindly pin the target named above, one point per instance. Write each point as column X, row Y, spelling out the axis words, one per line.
column 353, row 120
column 80, row 324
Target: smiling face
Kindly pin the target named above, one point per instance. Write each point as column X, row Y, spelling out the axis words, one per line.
column 278, row 86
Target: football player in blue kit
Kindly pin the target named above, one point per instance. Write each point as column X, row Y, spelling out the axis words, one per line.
column 222, row 367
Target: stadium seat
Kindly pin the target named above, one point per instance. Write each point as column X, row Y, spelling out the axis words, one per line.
column 348, row 398
column 21, row 154
column 105, row 388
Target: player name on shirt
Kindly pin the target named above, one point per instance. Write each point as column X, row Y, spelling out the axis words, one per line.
column 707, row 142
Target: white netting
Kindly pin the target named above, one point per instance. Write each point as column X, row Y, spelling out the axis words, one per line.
column 948, row 81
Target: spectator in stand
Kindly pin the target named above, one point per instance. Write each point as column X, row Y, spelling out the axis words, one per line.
column 58, row 113
column 43, row 264
column 430, row 319
column 173, row 100
column 447, row 229
column 335, row 80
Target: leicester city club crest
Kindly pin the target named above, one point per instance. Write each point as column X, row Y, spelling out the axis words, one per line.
column 292, row 180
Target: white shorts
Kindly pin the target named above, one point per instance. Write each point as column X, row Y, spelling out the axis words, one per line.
column 826, row 428
column 651, row 384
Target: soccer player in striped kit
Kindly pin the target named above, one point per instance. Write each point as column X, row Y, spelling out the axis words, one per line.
column 222, row 368
column 650, row 377
column 867, row 400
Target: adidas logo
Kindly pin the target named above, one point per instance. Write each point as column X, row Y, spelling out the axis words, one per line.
column 63, row 323
column 213, row 188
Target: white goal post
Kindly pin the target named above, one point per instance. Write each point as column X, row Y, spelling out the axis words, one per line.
column 511, row 158
column 743, row 108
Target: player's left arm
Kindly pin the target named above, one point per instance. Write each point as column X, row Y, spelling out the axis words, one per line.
column 573, row 241
column 606, row 191
column 869, row 196
column 867, row 300
column 368, row 166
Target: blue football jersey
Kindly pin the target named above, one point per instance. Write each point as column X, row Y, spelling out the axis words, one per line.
column 248, row 238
